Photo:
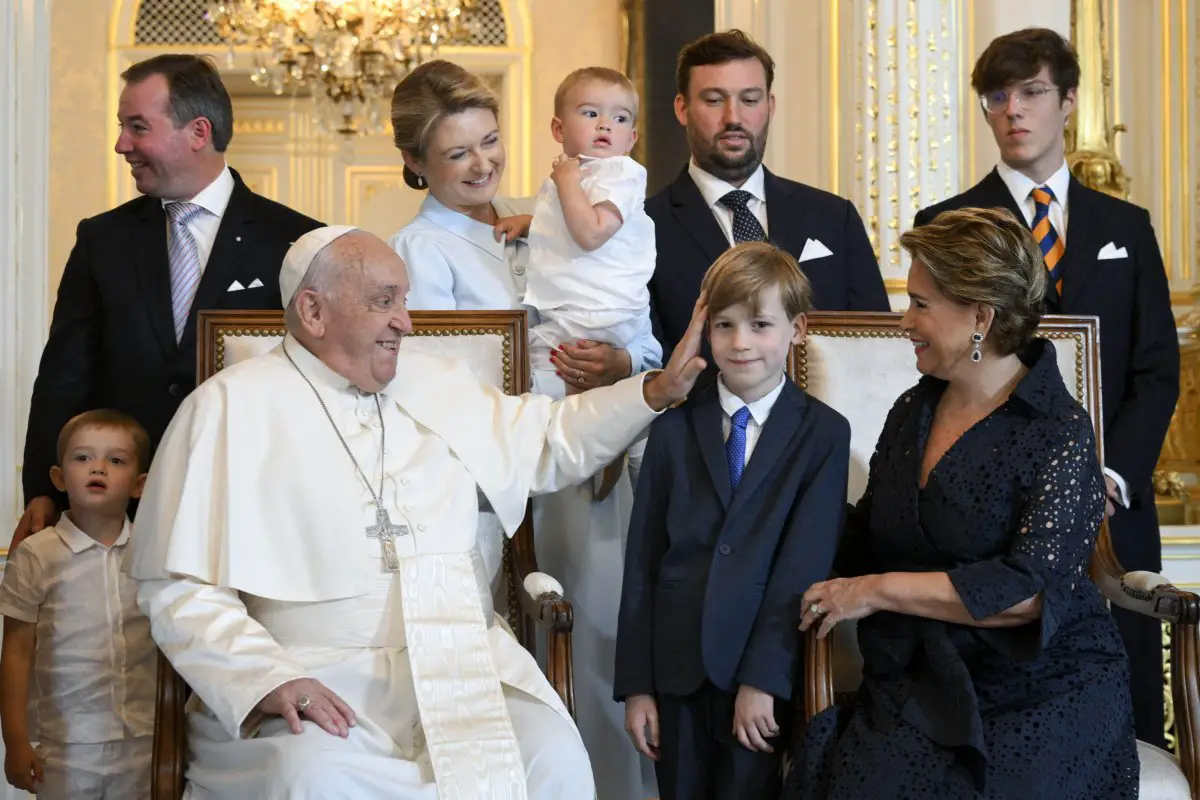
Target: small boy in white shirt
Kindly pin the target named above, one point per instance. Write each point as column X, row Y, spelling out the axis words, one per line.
column 591, row 244
column 71, row 619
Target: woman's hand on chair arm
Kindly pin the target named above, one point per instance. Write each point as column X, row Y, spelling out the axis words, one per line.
column 919, row 594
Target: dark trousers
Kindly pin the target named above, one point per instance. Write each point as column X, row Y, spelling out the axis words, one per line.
column 700, row 758
column 1143, row 644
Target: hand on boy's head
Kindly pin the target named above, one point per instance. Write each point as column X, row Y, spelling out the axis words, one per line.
column 39, row 514
column 754, row 719
column 23, row 767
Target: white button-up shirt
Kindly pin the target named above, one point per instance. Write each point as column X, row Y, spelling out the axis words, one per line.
column 1020, row 187
column 712, row 189
column 214, row 199
column 760, row 409
column 94, row 669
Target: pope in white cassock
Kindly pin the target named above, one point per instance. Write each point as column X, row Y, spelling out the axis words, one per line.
column 306, row 546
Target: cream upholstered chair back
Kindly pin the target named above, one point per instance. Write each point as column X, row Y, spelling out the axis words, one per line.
column 860, row 363
column 484, row 339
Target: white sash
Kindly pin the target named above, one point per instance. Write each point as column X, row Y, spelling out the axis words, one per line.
column 468, row 732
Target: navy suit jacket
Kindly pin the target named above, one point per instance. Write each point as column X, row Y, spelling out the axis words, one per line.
column 1139, row 348
column 112, row 338
column 689, row 239
column 714, row 578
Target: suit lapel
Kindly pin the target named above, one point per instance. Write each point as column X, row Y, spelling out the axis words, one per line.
column 707, row 421
column 696, row 218
column 225, row 258
column 773, row 440
column 1082, row 240
column 154, row 270
column 994, row 193
column 785, row 228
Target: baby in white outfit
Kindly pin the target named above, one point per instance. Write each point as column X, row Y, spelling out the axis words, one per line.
column 591, row 245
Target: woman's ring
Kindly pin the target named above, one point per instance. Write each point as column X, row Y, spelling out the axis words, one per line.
column 303, row 703
column 815, row 609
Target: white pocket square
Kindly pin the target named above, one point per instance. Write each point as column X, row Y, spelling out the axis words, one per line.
column 814, row 249
column 235, row 287
column 254, row 284
column 1110, row 250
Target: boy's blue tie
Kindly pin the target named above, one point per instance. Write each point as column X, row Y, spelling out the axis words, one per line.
column 735, row 445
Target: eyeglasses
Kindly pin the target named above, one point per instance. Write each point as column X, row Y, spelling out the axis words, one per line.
column 1028, row 97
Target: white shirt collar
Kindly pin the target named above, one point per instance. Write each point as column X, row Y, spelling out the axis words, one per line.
column 1019, row 185
column 466, row 228
column 213, row 198
column 318, row 371
column 712, row 188
column 760, row 409
column 78, row 541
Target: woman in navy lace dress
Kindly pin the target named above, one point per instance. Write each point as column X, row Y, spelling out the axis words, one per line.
column 992, row 668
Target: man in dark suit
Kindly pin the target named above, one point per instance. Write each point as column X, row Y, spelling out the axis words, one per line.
column 1107, row 264
column 123, row 334
column 725, row 195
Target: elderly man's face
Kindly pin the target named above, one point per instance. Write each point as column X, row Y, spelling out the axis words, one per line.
column 365, row 319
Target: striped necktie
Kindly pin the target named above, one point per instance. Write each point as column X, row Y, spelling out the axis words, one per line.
column 184, row 258
column 1046, row 237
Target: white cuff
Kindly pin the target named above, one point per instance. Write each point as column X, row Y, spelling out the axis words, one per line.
column 1122, row 487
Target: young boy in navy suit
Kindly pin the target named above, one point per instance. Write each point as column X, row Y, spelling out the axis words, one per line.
column 738, row 510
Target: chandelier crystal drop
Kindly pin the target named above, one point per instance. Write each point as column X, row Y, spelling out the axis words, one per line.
column 348, row 54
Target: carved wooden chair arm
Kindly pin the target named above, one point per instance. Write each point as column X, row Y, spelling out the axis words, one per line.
column 542, row 605
column 170, row 743
column 818, row 673
column 1142, row 592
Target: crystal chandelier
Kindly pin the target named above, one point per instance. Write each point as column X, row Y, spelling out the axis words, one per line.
column 348, row 54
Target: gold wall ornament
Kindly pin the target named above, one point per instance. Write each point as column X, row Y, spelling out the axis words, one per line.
column 347, row 54
column 633, row 56
column 1090, row 139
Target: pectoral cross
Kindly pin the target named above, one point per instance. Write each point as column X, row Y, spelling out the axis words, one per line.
column 386, row 533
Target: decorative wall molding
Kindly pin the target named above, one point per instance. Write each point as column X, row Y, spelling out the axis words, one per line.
column 903, row 104
column 24, row 147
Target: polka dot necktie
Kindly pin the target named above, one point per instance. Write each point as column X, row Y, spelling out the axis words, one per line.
column 1047, row 238
column 735, row 446
column 746, row 227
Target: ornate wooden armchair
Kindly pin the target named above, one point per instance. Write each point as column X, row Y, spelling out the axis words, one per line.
column 859, row 364
column 493, row 343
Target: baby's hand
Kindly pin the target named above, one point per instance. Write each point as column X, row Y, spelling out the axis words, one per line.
column 566, row 168
column 513, row 227
column 23, row 768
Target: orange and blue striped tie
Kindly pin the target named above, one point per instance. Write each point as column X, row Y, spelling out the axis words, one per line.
column 1046, row 237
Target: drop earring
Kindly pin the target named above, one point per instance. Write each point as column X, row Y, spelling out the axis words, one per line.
column 421, row 182
column 976, row 351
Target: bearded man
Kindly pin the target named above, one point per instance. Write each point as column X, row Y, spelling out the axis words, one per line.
column 725, row 195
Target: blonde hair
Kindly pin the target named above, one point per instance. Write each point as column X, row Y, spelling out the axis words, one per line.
column 427, row 95
column 601, row 74
column 109, row 419
column 985, row 256
column 743, row 273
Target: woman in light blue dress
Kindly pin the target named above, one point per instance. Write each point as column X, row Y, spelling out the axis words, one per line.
column 446, row 129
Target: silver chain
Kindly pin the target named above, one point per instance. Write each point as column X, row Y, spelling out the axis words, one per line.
column 378, row 498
